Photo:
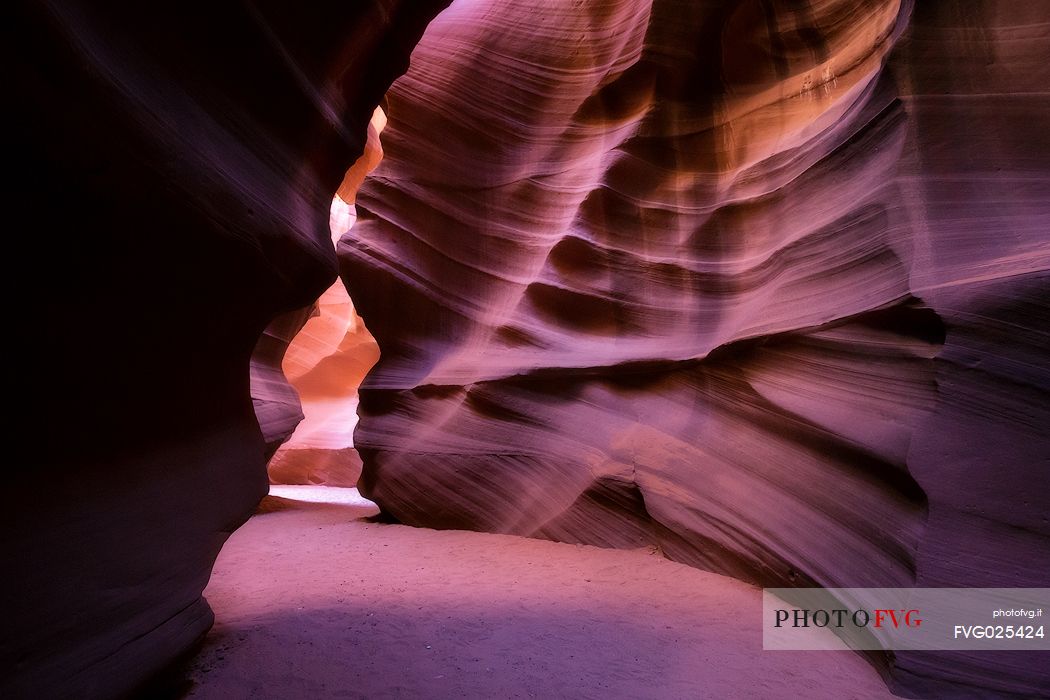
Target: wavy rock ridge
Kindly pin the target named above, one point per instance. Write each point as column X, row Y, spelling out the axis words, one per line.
column 633, row 274
column 725, row 279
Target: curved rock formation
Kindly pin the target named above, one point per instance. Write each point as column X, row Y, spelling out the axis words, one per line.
column 178, row 164
column 619, row 266
column 730, row 279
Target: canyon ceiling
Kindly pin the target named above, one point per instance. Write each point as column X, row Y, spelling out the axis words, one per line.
column 761, row 284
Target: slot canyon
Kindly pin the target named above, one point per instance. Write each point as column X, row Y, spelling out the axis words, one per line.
column 480, row 348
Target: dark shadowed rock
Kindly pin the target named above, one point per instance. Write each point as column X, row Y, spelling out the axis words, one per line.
column 175, row 166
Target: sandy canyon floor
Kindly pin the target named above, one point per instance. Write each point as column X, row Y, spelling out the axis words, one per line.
column 314, row 601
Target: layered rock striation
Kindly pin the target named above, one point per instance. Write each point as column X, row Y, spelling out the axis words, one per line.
column 655, row 272
column 755, row 283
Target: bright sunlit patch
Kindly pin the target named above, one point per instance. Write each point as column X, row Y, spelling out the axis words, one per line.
column 341, row 218
column 343, row 213
column 321, row 494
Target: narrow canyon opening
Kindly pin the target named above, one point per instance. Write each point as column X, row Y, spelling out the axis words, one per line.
column 309, row 363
